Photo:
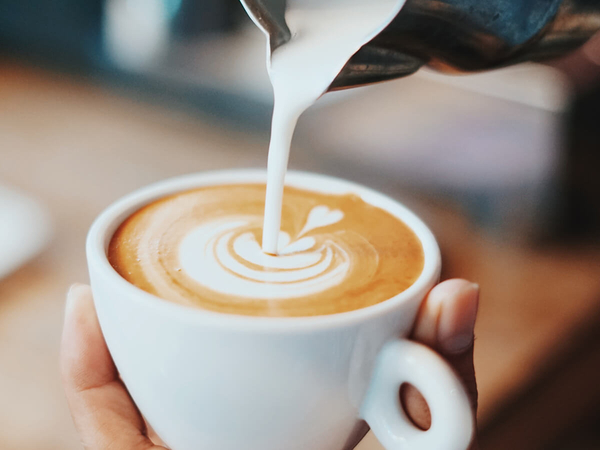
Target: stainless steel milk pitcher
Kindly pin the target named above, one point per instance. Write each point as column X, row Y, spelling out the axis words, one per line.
column 453, row 35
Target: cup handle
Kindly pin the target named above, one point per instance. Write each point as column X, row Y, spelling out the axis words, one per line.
column 402, row 361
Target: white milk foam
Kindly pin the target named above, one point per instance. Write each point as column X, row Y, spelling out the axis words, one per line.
column 325, row 34
column 218, row 257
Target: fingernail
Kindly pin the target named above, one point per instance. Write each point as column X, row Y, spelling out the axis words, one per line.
column 456, row 328
column 591, row 50
column 458, row 344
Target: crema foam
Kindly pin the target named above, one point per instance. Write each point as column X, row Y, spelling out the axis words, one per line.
column 201, row 248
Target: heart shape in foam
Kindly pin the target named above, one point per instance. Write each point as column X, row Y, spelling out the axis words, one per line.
column 321, row 216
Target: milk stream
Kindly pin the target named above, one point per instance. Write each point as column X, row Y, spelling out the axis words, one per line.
column 325, row 34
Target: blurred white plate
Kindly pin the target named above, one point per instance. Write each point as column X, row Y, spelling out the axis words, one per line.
column 25, row 229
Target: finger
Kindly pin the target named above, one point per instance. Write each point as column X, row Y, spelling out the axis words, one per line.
column 103, row 412
column 446, row 319
column 582, row 67
column 591, row 50
column 446, row 323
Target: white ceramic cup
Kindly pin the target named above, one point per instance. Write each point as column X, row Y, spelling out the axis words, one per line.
column 212, row 381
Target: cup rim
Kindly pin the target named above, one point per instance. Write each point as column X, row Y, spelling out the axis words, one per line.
column 106, row 223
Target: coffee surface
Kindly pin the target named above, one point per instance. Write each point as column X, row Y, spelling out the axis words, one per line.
column 201, row 248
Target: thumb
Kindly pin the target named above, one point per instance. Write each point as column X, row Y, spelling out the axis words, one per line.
column 446, row 323
column 104, row 413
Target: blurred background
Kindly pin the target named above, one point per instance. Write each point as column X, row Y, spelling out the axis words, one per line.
column 98, row 98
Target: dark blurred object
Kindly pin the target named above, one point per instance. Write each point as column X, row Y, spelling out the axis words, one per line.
column 65, row 31
column 70, row 31
column 580, row 203
column 471, row 35
column 558, row 410
column 75, row 37
column 196, row 17
column 453, row 35
column 585, row 436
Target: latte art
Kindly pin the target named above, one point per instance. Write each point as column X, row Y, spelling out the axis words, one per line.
column 202, row 248
column 225, row 256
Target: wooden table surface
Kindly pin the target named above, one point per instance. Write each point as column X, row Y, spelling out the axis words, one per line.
column 77, row 147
